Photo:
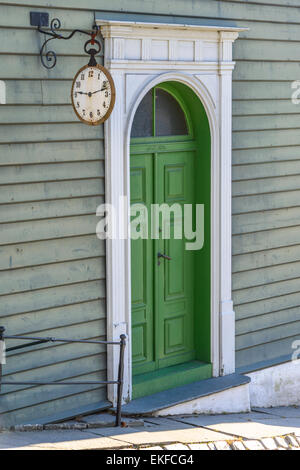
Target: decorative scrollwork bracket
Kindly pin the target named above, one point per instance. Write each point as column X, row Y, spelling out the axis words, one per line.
column 48, row 57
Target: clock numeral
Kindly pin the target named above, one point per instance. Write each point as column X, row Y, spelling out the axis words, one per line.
column 104, row 104
column 78, row 104
column 82, row 76
column 83, row 112
column 106, row 94
column 75, row 95
column 91, row 73
column 78, row 84
column 98, row 112
column 104, row 84
column 99, row 76
column 91, row 114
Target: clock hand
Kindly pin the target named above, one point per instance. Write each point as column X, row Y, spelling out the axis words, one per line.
column 102, row 89
column 90, row 93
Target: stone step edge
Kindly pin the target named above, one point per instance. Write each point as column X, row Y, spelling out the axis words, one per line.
column 149, row 404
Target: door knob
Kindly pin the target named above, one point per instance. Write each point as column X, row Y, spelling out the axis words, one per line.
column 161, row 255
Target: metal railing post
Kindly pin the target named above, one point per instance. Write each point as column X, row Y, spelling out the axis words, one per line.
column 2, row 330
column 120, row 379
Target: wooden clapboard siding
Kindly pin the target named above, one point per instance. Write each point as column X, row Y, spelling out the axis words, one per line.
column 45, row 252
column 53, row 297
column 52, row 265
column 49, row 172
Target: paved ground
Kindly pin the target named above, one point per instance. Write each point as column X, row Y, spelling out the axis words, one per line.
column 263, row 429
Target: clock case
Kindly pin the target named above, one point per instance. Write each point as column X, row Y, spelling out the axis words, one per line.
column 93, row 64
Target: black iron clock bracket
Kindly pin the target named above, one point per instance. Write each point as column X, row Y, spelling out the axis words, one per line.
column 48, row 57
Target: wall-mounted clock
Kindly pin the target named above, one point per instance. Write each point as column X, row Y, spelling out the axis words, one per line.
column 93, row 94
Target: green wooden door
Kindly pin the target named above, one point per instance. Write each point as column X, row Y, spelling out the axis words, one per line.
column 162, row 290
column 163, row 170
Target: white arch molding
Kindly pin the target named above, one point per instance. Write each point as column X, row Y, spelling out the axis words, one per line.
column 140, row 56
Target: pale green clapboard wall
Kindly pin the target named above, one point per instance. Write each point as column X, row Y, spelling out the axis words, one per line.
column 52, row 266
column 52, row 176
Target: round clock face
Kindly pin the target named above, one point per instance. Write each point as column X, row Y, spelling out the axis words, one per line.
column 93, row 94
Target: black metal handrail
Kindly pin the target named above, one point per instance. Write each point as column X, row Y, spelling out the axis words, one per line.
column 39, row 340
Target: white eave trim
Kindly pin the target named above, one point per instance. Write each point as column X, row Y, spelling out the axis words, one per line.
column 164, row 26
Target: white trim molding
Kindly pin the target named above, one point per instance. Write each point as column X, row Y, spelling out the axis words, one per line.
column 140, row 56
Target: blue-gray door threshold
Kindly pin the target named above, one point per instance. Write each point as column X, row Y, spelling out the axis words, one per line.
column 70, row 414
column 174, row 396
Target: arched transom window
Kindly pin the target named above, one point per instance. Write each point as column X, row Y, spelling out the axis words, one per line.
column 159, row 115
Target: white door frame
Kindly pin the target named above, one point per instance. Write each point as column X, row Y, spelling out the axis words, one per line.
column 140, row 56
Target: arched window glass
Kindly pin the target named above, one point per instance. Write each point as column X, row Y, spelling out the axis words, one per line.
column 143, row 120
column 169, row 117
column 159, row 114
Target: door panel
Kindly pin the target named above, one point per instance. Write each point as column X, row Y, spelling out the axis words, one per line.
column 174, row 288
column 141, row 181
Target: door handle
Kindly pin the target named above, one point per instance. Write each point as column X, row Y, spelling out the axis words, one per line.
column 161, row 255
